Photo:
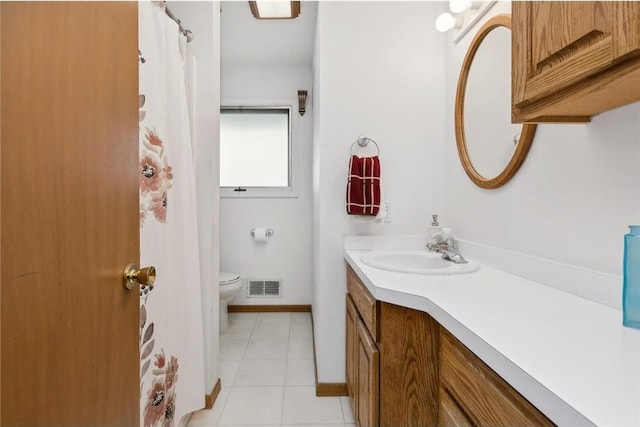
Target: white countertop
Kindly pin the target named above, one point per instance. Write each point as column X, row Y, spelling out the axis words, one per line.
column 569, row 356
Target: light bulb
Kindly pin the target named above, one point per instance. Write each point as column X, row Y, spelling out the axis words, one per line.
column 459, row 6
column 444, row 22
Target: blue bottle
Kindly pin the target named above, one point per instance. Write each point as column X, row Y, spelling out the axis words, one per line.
column 631, row 286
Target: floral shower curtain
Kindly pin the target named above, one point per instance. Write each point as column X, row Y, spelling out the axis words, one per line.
column 171, row 330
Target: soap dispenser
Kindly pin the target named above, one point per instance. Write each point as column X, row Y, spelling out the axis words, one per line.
column 434, row 227
column 631, row 281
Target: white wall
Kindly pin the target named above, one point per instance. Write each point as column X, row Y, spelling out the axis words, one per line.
column 286, row 256
column 378, row 72
column 203, row 18
column 573, row 198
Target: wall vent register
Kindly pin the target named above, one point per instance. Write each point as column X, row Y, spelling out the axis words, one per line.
column 263, row 288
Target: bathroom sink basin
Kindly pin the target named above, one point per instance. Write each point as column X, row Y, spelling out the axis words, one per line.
column 420, row 262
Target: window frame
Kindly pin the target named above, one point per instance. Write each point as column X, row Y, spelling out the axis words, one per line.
column 268, row 104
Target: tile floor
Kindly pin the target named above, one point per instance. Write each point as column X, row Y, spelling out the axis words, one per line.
column 268, row 378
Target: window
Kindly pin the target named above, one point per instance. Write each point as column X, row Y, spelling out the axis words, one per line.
column 255, row 152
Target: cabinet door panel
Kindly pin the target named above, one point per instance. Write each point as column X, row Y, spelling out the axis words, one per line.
column 626, row 29
column 368, row 378
column 573, row 59
column 409, row 353
column 570, row 41
column 450, row 414
column 559, row 25
column 485, row 396
column 352, row 348
column 364, row 302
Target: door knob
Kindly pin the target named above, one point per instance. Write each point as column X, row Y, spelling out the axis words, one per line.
column 132, row 275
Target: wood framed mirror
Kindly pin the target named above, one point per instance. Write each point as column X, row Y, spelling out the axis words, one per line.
column 490, row 147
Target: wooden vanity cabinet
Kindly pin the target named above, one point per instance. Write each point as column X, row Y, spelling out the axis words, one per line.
column 572, row 60
column 391, row 361
column 405, row 369
column 471, row 393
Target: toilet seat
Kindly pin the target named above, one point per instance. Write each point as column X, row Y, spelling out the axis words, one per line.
column 228, row 278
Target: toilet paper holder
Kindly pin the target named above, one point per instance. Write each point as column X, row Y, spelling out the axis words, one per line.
column 269, row 232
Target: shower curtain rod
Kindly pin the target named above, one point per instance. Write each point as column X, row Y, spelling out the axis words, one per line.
column 187, row 33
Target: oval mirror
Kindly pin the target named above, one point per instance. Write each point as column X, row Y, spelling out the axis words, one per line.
column 490, row 147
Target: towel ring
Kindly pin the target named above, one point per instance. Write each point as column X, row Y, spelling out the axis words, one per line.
column 363, row 141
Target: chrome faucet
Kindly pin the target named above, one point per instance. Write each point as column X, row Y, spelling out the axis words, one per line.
column 448, row 251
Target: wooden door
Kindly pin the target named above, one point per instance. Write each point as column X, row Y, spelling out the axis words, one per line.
column 352, row 348
column 69, row 213
column 368, row 378
column 557, row 44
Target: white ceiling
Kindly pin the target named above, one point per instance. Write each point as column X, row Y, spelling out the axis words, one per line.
column 245, row 40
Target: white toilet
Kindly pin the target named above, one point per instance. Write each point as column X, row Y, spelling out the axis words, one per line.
column 230, row 285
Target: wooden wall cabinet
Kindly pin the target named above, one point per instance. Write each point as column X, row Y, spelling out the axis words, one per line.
column 572, row 60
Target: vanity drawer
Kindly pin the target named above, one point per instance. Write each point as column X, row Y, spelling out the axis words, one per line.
column 482, row 395
column 364, row 302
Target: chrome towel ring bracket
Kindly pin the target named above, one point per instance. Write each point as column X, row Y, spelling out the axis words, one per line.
column 363, row 141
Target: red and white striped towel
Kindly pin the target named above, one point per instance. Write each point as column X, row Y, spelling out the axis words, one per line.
column 363, row 186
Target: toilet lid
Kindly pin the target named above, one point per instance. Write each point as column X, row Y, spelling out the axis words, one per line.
column 226, row 278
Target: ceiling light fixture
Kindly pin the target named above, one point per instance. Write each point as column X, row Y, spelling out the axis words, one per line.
column 275, row 9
